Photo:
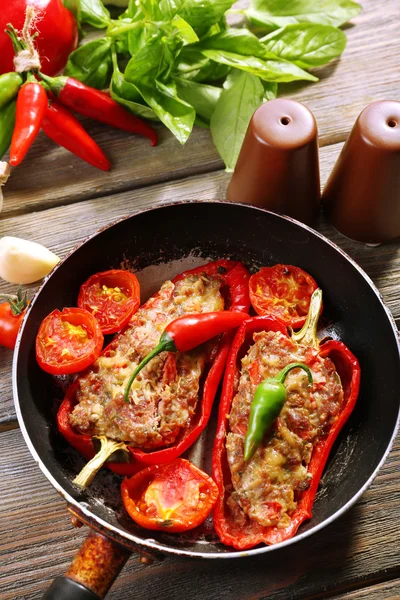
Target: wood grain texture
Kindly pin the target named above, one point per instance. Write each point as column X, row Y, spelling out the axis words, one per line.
column 382, row 591
column 37, row 543
column 60, row 229
column 367, row 71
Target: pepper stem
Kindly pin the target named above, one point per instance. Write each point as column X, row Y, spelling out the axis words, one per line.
column 308, row 333
column 297, row 365
column 107, row 448
column 166, row 343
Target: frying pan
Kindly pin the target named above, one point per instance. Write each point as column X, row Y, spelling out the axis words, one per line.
column 157, row 244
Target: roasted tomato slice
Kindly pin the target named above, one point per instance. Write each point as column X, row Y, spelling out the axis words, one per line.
column 172, row 497
column 112, row 297
column 283, row 291
column 68, row 341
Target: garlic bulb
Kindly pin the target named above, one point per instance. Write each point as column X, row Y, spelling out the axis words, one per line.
column 23, row 262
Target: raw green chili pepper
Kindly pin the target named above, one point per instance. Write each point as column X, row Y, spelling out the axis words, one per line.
column 7, row 122
column 268, row 401
column 9, row 86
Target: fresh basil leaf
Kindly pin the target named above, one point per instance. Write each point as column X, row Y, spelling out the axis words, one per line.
column 91, row 63
column 175, row 113
column 146, row 62
column 128, row 95
column 151, row 9
column 307, row 44
column 239, row 41
column 94, row 13
column 194, row 65
column 198, row 13
column 270, row 90
column 138, row 37
column 270, row 70
column 242, row 95
column 121, row 90
column 202, row 97
column 279, row 13
column 184, row 30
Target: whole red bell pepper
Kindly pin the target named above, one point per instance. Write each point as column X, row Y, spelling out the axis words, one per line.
column 235, row 277
column 247, row 533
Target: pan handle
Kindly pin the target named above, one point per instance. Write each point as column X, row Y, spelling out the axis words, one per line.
column 92, row 572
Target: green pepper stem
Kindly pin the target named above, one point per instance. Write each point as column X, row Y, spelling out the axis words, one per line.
column 308, row 333
column 166, row 343
column 283, row 374
column 107, row 448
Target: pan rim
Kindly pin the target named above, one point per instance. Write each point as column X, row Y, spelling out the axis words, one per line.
column 151, row 543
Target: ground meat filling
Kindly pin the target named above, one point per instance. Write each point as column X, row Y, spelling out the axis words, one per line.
column 267, row 487
column 164, row 395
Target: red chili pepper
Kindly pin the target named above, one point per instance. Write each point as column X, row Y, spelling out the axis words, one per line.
column 188, row 332
column 31, row 109
column 97, row 105
column 66, row 131
column 243, row 535
column 236, row 277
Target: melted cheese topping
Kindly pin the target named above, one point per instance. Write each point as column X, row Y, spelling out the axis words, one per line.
column 164, row 395
column 267, row 487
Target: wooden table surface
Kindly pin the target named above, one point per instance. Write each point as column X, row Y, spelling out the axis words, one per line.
column 55, row 199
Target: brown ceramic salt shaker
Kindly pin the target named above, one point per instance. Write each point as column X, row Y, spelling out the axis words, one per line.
column 278, row 167
column 362, row 194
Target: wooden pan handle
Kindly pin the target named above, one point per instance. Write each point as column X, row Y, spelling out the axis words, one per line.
column 92, row 572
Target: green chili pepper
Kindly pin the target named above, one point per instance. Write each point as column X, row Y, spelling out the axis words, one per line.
column 7, row 122
column 9, row 86
column 268, row 401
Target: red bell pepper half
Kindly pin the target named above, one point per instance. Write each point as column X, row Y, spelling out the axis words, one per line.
column 246, row 535
column 235, row 277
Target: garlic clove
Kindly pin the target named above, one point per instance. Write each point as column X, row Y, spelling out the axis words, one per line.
column 22, row 261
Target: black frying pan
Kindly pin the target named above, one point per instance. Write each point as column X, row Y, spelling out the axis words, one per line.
column 157, row 244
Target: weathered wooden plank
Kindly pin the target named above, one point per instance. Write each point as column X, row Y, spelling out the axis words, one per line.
column 367, row 71
column 37, row 543
column 62, row 228
column 382, row 591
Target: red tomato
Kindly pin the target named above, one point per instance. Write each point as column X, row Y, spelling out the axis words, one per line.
column 112, row 297
column 57, row 33
column 68, row 341
column 172, row 497
column 283, row 291
column 9, row 325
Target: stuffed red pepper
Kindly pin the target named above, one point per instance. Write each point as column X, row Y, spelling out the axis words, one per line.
column 265, row 498
column 170, row 401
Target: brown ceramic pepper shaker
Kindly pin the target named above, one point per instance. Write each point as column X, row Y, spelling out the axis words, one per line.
column 278, row 167
column 362, row 194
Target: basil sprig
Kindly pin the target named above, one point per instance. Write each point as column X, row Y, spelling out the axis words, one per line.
column 178, row 61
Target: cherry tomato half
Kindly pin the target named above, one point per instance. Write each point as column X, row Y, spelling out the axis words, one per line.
column 283, row 291
column 68, row 341
column 112, row 297
column 172, row 497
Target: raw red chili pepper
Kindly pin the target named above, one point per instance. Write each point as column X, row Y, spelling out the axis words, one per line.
column 31, row 109
column 235, row 277
column 188, row 332
column 97, row 105
column 246, row 534
column 66, row 131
